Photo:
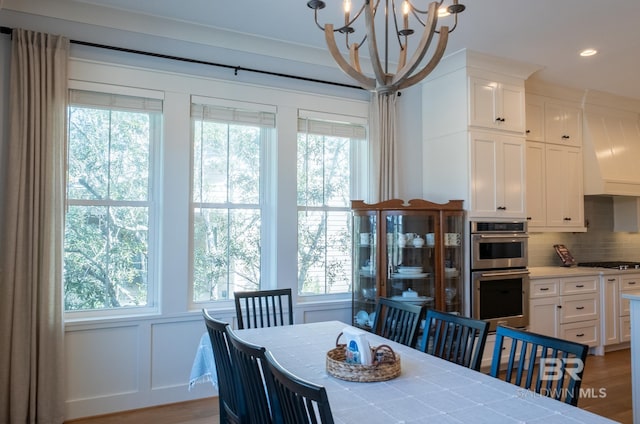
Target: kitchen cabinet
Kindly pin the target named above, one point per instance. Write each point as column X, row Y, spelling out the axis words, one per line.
column 534, row 112
column 563, row 123
column 496, row 105
column 564, row 189
column 555, row 196
column 497, row 175
column 409, row 252
column 616, row 323
column 536, row 184
column 461, row 100
column 568, row 308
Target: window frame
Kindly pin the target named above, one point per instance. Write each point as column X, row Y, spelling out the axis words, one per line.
column 156, row 143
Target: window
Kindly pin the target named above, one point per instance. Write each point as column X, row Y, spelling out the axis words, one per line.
column 229, row 145
column 109, row 219
column 329, row 156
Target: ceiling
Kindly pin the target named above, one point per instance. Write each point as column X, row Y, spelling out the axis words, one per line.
column 547, row 33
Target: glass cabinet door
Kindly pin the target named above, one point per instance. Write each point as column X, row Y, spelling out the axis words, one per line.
column 365, row 269
column 410, row 256
column 453, row 234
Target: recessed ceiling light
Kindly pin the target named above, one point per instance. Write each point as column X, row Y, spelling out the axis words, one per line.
column 588, row 52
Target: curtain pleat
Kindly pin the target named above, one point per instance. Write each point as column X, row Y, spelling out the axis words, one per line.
column 383, row 139
column 31, row 235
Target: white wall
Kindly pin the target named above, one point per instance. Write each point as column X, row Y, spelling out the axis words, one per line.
column 139, row 361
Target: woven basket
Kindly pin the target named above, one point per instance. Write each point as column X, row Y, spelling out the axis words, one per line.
column 386, row 365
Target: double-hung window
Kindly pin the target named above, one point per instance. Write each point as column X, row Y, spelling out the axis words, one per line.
column 229, row 145
column 331, row 171
column 109, row 228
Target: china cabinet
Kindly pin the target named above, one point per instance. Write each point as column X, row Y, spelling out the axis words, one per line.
column 410, row 252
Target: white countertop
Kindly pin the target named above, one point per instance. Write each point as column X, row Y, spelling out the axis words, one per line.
column 631, row 295
column 563, row 271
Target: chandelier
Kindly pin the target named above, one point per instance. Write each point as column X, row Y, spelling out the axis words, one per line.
column 408, row 70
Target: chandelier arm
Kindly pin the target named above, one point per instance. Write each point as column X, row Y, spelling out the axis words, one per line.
column 381, row 75
column 355, row 58
column 421, row 49
column 365, row 82
column 429, row 67
column 402, row 59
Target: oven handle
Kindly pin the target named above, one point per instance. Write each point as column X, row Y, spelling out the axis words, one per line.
column 504, row 273
column 509, row 236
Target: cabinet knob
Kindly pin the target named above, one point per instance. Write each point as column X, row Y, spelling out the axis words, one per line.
column 559, row 306
column 528, row 131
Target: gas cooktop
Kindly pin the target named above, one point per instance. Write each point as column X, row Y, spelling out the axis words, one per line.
column 612, row 264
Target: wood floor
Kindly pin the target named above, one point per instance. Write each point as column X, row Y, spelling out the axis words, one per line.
column 606, row 391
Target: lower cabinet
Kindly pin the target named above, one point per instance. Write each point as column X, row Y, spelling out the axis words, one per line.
column 567, row 308
column 616, row 322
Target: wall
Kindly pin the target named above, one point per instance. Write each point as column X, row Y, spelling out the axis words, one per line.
column 599, row 243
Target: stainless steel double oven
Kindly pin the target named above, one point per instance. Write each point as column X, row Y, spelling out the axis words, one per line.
column 499, row 274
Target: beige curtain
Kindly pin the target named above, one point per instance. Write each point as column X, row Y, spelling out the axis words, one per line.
column 31, row 233
column 383, row 140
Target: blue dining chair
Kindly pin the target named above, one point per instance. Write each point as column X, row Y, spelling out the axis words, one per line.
column 455, row 338
column 300, row 401
column 249, row 365
column 563, row 360
column 231, row 403
column 398, row 321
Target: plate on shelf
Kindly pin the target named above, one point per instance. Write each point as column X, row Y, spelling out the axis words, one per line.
column 410, row 275
column 418, row 300
column 410, row 269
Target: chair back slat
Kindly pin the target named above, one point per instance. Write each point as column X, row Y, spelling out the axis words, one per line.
column 300, row 401
column 398, row 321
column 530, row 352
column 264, row 308
column 455, row 338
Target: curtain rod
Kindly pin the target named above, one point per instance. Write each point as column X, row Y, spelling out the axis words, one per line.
column 7, row 30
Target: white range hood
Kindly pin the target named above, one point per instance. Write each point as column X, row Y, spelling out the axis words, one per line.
column 611, row 151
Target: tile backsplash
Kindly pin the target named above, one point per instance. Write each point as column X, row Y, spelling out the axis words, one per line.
column 599, row 243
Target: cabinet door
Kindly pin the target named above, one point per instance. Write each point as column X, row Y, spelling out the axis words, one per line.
column 511, row 108
column 496, row 105
column 536, row 199
column 564, row 191
column 483, row 109
column 563, row 124
column 497, row 175
column 534, row 112
column 610, row 322
column 544, row 316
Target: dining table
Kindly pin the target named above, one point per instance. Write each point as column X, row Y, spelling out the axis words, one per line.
column 428, row 389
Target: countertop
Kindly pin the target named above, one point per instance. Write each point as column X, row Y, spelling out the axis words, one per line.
column 563, row 271
column 631, row 295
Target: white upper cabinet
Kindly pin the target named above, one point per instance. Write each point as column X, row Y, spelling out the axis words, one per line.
column 496, row 105
column 497, row 175
column 536, row 180
column 535, row 117
column 563, row 123
column 564, row 192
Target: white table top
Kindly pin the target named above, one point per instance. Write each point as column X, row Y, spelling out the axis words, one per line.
column 429, row 389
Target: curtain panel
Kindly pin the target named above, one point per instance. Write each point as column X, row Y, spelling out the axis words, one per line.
column 31, row 232
column 383, row 139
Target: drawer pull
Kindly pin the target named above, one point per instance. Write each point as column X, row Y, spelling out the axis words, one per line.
column 611, row 279
column 579, row 307
column 580, row 335
column 544, row 288
column 579, row 286
column 631, row 283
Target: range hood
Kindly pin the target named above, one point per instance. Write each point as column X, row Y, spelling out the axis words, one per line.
column 611, row 151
